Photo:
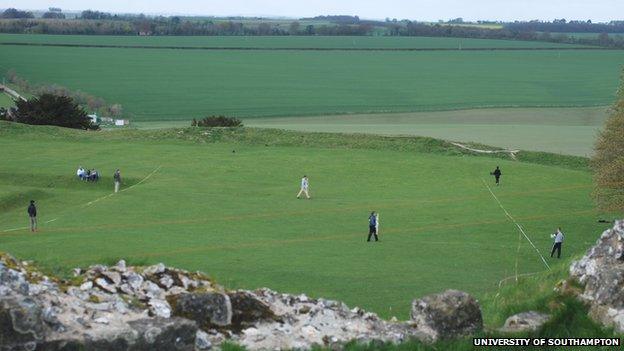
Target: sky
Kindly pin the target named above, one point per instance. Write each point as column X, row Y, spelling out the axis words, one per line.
column 423, row 10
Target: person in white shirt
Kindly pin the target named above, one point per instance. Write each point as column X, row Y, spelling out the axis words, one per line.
column 558, row 236
column 80, row 172
column 304, row 187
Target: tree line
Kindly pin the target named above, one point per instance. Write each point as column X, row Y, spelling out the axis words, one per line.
column 102, row 23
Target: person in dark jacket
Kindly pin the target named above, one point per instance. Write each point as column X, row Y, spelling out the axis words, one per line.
column 32, row 213
column 497, row 174
column 372, row 226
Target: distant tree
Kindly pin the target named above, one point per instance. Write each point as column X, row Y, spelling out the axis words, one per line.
column 95, row 15
column 14, row 13
column 115, row 110
column 310, row 30
column 608, row 161
column 57, row 15
column 49, row 109
column 264, row 29
column 603, row 39
column 293, row 29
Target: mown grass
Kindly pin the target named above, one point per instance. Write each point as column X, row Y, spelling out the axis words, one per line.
column 6, row 101
column 222, row 201
column 160, row 85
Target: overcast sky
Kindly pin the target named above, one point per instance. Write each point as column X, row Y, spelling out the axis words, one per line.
column 426, row 10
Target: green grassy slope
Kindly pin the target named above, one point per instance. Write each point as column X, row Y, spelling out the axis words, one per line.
column 278, row 42
column 235, row 216
column 177, row 84
column 6, row 101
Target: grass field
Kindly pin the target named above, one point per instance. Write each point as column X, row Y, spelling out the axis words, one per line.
column 569, row 131
column 278, row 42
column 6, row 101
column 161, row 84
column 190, row 201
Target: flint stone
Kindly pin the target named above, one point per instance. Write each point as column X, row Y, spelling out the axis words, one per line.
column 86, row 286
column 447, row 315
column 601, row 271
column 21, row 323
column 160, row 308
column 155, row 269
column 134, row 281
column 525, row 321
column 209, row 309
column 152, row 290
column 120, row 266
column 166, row 281
column 104, row 285
column 149, row 334
column 13, row 280
column 248, row 309
column 114, row 277
column 202, row 341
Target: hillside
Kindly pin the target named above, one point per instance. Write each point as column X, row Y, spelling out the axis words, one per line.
column 223, row 201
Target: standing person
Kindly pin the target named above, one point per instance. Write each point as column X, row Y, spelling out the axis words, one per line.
column 372, row 226
column 32, row 213
column 558, row 235
column 80, row 172
column 497, row 174
column 117, row 179
column 304, row 187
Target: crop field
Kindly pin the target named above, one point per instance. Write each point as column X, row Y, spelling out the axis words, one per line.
column 224, row 202
column 295, row 42
column 167, row 84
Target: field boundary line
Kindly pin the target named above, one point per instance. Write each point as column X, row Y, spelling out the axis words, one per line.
column 144, row 179
column 243, row 48
column 14, row 229
column 511, row 153
column 516, row 223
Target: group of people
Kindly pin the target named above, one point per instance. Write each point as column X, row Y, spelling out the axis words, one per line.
column 88, row 175
column 92, row 175
column 373, row 219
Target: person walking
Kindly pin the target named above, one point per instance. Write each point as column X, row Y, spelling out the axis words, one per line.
column 372, row 226
column 558, row 236
column 32, row 213
column 304, row 187
column 497, row 174
column 117, row 180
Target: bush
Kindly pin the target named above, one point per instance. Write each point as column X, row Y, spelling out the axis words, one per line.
column 217, row 121
column 48, row 109
column 608, row 161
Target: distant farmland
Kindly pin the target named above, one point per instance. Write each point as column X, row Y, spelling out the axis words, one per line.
column 279, row 42
column 164, row 84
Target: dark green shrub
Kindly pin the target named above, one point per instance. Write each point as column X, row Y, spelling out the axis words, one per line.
column 48, row 109
column 217, row 121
